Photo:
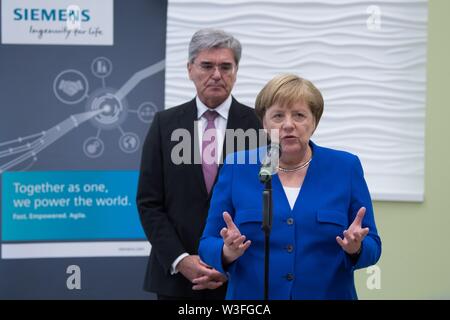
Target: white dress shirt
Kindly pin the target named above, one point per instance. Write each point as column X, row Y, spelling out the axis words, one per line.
column 221, row 125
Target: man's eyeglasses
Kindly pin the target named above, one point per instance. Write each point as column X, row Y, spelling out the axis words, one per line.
column 224, row 68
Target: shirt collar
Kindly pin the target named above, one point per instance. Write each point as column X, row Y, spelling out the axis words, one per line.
column 222, row 109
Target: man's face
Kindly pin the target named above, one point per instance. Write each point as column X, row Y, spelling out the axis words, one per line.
column 214, row 74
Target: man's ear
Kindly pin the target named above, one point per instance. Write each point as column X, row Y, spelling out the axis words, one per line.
column 189, row 68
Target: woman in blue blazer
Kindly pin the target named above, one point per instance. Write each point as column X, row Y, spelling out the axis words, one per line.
column 323, row 225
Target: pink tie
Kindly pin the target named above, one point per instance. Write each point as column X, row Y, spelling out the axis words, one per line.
column 209, row 147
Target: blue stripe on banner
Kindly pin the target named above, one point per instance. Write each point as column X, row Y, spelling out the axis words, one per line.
column 70, row 205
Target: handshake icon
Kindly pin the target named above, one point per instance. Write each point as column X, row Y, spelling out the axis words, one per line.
column 69, row 87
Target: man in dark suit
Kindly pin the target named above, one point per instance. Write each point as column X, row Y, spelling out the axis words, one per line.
column 173, row 196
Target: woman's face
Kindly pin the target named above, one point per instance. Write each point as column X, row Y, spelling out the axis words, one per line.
column 293, row 124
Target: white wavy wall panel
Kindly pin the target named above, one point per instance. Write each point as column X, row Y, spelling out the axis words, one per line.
column 367, row 57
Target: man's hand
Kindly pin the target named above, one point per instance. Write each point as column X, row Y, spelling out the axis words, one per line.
column 211, row 280
column 199, row 273
column 354, row 235
column 233, row 242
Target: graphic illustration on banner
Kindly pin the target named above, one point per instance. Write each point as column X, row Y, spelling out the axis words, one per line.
column 106, row 108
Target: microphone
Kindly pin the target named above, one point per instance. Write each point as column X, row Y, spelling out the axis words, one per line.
column 270, row 162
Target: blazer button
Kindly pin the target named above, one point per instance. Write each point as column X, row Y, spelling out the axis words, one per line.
column 290, row 277
column 290, row 221
column 290, row 248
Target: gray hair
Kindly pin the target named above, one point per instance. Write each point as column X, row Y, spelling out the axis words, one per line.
column 213, row 38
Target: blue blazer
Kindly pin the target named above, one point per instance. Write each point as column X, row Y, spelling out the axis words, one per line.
column 306, row 262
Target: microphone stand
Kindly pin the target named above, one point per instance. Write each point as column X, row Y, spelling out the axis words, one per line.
column 268, row 168
column 267, row 227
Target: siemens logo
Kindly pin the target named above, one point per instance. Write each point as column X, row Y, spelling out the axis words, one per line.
column 57, row 22
column 22, row 14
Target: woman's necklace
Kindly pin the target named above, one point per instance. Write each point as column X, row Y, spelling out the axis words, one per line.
column 299, row 167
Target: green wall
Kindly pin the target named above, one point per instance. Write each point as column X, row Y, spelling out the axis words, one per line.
column 415, row 263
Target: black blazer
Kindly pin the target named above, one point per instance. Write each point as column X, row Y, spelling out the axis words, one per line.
column 172, row 199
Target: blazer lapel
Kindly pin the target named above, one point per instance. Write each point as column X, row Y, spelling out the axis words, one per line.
column 187, row 120
column 236, row 120
column 307, row 185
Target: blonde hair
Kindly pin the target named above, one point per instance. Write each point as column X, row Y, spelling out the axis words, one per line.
column 287, row 89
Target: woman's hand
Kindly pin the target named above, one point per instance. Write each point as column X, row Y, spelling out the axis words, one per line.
column 354, row 235
column 233, row 242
